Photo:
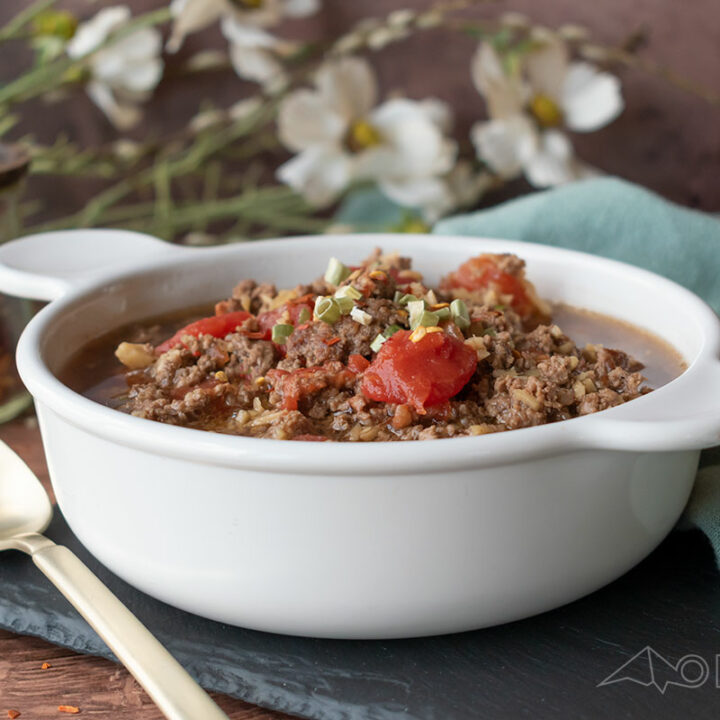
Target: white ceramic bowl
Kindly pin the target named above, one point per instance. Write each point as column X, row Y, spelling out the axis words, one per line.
column 372, row 540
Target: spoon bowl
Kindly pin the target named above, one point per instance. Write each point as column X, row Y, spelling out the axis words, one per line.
column 25, row 512
column 24, row 504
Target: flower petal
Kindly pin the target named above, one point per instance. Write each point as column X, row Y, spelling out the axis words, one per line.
column 591, row 99
column 438, row 112
column 504, row 94
column 122, row 116
column 432, row 195
column 191, row 16
column 132, row 63
column 304, row 120
column 349, row 86
column 257, row 65
column 301, row 8
column 319, row 173
column 552, row 163
column 243, row 109
column 413, row 146
column 503, row 144
column 246, row 35
column 143, row 77
column 95, row 31
column 142, row 44
column 546, row 66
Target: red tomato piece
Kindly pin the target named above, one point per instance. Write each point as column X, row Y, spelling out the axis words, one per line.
column 421, row 374
column 482, row 272
column 358, row 364
column 218, row 326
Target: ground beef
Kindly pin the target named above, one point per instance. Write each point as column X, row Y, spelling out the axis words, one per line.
column 318, row 343
column 248, row 358
column 248, row 295
column 302, row 386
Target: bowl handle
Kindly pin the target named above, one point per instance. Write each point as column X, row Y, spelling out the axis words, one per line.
column 47, row 265
column 685, row 415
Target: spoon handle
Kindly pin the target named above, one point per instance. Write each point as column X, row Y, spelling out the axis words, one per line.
column 177, row 695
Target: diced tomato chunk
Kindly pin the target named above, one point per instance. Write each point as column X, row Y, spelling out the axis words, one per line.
column 218, row 326
column 421, row 374
column 483, row 272
column 358, row 364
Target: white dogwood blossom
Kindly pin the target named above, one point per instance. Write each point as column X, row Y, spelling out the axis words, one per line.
column 529, row 102
column 341, row 136
column 254, row 51
column 123, row 72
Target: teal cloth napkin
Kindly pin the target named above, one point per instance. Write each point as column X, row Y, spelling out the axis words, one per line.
column 619, row 220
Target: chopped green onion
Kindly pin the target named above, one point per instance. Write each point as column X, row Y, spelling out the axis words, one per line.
column 327, row 309
column 346, row 304
column 303, row 315
column 397, row 296
column 377, row 343
column 281, row 332
column 406, row 299
column 501, row 308
column 415, row 308
column 336, row 272
column 428, row 319
column 390, row 330
column 460, row 314
column 360, row 316
column 443, row 313
column 490, row 331
column 420, row 316
column 348, row 291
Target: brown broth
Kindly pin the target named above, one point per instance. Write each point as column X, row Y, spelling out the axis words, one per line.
column 95, row 372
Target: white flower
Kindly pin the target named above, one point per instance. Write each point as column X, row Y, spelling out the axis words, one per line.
column 253, row 50
column 526, row 104
column 341, row 137
column 125, row 72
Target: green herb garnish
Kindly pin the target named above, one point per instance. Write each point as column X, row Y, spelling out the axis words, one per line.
column 281, row 332
column 460, row 314
column 327, row 309
column 377, row 343
column 336, row 272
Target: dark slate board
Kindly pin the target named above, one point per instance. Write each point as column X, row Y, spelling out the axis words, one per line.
column 544, row 667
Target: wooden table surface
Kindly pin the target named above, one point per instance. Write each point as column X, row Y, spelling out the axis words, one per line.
column 98, row 687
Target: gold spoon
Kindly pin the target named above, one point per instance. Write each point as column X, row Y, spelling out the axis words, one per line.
column 25, row 512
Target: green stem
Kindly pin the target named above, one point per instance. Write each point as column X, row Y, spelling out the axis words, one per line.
column 204, row 147
column 17, row 23
column 35, row 81
column 163, row 202
column 268, row 205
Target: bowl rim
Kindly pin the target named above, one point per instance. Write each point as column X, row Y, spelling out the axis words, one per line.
column 603, row 430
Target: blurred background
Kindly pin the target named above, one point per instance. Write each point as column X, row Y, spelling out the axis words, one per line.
column 666, row 139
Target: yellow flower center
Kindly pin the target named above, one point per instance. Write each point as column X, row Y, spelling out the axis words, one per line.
column 411, row 224
column 362, row 135
column 249, row 4
column 58, row 23
column 546, row 110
